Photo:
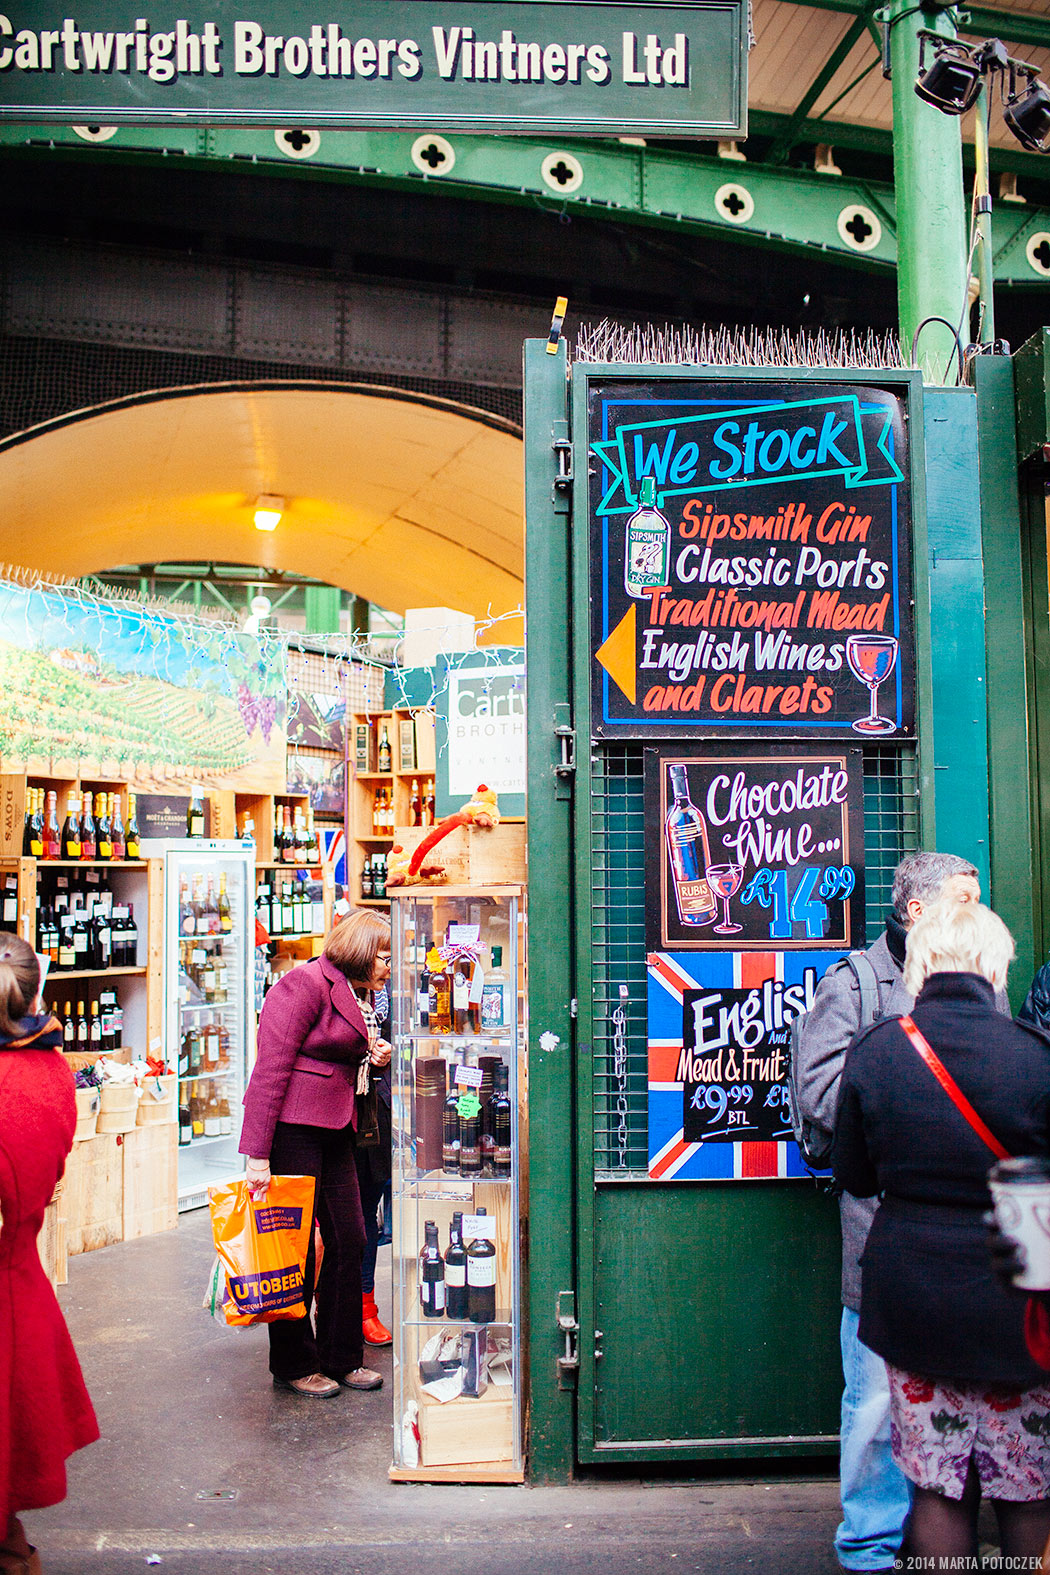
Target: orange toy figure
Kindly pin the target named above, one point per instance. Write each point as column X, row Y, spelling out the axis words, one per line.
column 399, row 874
column 482, row 811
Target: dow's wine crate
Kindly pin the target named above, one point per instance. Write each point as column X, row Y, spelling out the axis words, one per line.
column 471, row 856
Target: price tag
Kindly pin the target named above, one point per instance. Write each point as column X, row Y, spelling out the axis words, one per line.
column 479, row 1225
column 469, row 1107
column 464, row 934
column 469, row 1076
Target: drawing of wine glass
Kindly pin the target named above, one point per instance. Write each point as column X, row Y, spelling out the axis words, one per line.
column 872, row 658
column 724, row 880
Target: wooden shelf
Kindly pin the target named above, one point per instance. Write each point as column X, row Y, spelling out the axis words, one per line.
column 276, row 866
column 372, row 902
column 89, row 864
column 56, row 975
column 377, row 839
column 375, row 776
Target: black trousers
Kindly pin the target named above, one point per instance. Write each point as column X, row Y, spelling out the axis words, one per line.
column 338, row 1345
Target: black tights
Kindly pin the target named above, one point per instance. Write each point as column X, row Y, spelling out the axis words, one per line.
column 939, row 1527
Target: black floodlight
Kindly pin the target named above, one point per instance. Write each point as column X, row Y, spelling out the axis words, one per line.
column 1028, row 116
column 953, row 81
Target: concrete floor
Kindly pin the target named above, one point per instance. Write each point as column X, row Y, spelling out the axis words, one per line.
column 186, row 1408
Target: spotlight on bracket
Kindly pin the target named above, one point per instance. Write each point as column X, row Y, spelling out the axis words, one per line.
column 953, row 80
column 1028, row 116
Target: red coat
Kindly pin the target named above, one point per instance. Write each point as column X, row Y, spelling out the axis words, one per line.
column 312, row 1007
column 45, row 1411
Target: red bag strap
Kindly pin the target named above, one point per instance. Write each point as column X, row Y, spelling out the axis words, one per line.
column 951, row 1088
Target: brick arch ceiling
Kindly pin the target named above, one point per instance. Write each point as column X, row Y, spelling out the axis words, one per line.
column 407, row 501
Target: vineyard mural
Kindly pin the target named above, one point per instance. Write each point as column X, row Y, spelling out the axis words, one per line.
column 120, row 690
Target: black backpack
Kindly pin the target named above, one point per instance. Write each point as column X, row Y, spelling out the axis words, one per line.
column 814, row 1141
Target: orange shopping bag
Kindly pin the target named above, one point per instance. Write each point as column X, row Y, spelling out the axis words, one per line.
column 263, row 1247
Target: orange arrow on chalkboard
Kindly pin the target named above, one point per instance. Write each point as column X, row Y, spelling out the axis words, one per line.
column 618, row 656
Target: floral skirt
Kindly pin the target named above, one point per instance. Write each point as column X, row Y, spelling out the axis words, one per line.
column 937, row 1428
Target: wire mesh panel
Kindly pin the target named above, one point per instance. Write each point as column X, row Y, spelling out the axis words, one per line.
column 891, row 829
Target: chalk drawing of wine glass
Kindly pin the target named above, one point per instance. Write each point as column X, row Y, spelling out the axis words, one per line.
column 725, row 883
column 872, row 658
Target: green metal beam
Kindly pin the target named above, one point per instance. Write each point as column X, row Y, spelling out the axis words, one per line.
column 795, row 210
column 977, row 21
column 781, row 148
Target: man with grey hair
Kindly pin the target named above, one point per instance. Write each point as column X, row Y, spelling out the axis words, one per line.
column 875, row 1494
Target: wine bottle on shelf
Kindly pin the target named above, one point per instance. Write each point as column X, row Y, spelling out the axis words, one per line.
column 27, row 820
column 450, row 1127
column 195, row 812
column 223, row 907
column 313, row 852
column 428, row 803
column 415, row 806
column 185, row 1120
column 131, row 937
column 501, row 1121
column 95, row 1029
column 88, row 842
column 81, row 939
column 385, row 756
column 481, row 1279
column 456, row 1270
column 262, row 906
column 10, row 902
column 82, row 1027
column 117, row 838
column 225, row 1117
column 366, row 881
column 287, row 908
column 52, row 831
column 379, row 876
column 470, row 1143
column 423, row 990
column 104, row 829
column 431, row 1273
column 71, row 830
column 131, row 831
column 278, row 834
column 100, row 947
column 196, row 1111
column 67, row 952
column 494, row 1014
column 69, row 1028
column 33, row 836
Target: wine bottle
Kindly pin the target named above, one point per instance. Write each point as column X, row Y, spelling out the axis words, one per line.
column 465, row 1014
column 81, row 939
column 185, row 1123
column 685, row 833
column 101, row 938
column 82, row 1027
column 289, row 853
column 103, row 830
column 131, row 832
column 428, row 803
column 431, row 1274
column 69, row 1028
column 52, row 833
column 67, row 953
column 450, row 1127
column 481, row 1279
column 36, row 826
column 385, row 756
column 71, row 829
column 27, row 825
column 313, row 852
column 117, row 838
column 423, row 991
column 500, row 1106
column 416, row 804
column 131, row 938
column 456, row 1270
column 439, row 1006
column 95, row 1029
column 88, row 842
column 10, row 902
column 225, row 915
column 195, row 812
column 494, row 1015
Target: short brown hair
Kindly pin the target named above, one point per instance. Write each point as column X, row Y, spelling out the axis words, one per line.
column 19, row 981
column 353, row 943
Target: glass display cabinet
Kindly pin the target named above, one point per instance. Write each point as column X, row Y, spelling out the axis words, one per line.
column 457, row 1354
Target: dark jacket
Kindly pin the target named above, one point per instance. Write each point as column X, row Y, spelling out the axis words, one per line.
column 931, row 1302
column 311, row 1040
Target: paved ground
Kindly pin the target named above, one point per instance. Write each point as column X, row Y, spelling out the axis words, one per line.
column 186, row 1408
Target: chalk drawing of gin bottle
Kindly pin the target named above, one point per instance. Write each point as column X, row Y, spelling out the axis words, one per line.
column 647, row 554
column 685, row 831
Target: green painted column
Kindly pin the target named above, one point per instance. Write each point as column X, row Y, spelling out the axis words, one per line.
column 931, row 207
column 322, row 604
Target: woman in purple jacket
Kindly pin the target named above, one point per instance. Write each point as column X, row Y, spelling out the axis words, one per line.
column 316, row 1029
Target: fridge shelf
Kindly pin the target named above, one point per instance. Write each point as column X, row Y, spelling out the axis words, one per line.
column 89, row 973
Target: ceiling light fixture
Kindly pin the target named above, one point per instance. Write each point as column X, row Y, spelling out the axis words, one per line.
column 268, row 511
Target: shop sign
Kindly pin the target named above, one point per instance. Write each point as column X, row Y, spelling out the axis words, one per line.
column 754, row 887
column 542, row 66
column 750, row 560
column 481, row 732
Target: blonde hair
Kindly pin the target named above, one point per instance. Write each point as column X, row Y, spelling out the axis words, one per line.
column 957, row 937
column 19, row 981
column 353, row 943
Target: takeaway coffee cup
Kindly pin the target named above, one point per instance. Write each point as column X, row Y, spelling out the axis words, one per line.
column 1020, row 1190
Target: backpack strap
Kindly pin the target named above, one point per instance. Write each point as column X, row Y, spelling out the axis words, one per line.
column 868, row 985
column 951, row 1087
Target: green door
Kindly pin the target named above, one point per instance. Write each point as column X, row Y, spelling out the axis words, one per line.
column 707, row 1311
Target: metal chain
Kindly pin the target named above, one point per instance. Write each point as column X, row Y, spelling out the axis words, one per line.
column 619, row 1020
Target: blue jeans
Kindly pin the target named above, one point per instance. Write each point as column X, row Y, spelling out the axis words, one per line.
column 875, row 1493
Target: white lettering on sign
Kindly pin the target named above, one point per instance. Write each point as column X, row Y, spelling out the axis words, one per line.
column 322, row 49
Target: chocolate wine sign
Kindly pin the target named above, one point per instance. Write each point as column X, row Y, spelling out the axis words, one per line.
column 754, row 848
column 750, row 559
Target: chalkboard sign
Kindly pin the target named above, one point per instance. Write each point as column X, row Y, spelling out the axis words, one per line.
column 750, row 560
column 757, row 846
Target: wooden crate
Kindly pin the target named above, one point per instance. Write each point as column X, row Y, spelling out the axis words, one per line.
column 93, row 1195
column 467, row 1432
column 151, row 1180
column 472, row 857
column 51, row 1243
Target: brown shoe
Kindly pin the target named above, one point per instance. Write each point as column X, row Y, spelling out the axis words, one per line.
column 315, row 1386
column 362, row 1378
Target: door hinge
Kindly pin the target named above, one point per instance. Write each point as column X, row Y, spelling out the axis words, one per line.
column 561, row 444
column 566, row 736
column 569, row 1361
